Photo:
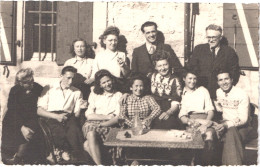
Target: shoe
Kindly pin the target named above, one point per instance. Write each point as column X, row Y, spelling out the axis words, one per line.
column 135, row 163
column 65, row 155
column 15, row 161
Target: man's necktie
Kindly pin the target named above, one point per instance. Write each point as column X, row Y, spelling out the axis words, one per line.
column 151, row 50
column 213, row 53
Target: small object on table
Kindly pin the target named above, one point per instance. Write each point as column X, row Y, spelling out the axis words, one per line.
column 127, row 134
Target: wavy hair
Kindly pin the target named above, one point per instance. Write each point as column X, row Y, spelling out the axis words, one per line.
column 24, row 75
column 108, row 31
column 100, row 74
column 89, row 53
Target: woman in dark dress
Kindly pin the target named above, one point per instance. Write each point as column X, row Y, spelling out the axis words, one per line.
column 20, row 132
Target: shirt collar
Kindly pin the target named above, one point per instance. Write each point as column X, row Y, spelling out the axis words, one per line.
column 148, row 46
column 227, row 93
column 76, row 59
column 216, row 49
column 185, row 90
column 58, row 86
column 135, row 98
column 107, row 94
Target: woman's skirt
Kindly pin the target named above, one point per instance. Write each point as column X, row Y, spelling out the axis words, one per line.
column 94, row 126
column 173, row 122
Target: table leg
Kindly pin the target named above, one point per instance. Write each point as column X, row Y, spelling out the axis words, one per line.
column 193, row 153
column 114, row 155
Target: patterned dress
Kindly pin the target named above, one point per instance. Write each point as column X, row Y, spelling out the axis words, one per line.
column 166, row 90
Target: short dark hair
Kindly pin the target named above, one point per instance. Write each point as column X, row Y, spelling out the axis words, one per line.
column 89, row 51
column 221, row 71
column 100, row 74
column 68, row 69
column 214, row 27
column 147, row 24
column 161, row 54
column 109, row 30
column 138, row 76
column 189, row 70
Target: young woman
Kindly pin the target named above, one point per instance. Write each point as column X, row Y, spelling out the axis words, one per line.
column 197, row 109
column 110, row 58
column 137, row 102
column 102, row 113
column 83, row 57
column 21, row 132
column 166, row 90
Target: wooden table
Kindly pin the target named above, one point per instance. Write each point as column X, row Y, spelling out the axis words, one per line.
column 194, row 144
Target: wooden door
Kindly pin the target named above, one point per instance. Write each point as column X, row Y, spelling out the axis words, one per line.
column 74, row 20
column 241, row 25
column 8, row 32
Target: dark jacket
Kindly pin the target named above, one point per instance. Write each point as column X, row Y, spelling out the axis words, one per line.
column 22, row 110
column 141, row 60
column 207, row 66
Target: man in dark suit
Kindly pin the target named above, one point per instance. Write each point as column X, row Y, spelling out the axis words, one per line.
column 141, row 61
column 209, row 58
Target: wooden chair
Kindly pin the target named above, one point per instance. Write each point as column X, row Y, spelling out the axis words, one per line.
column 50, row 147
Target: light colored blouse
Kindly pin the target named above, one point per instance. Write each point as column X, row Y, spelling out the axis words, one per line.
column 106, row 104
column 83, row 66
column 108, row 60
column 197, row 101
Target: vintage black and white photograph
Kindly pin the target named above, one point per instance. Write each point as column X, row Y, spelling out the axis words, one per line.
column 129, row 83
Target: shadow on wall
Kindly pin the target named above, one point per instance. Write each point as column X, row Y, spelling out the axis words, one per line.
column 224, row 41
column 121, row 46
column 160, row 37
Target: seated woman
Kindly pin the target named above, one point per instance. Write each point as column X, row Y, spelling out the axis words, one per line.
column 83, row 57
column 111, row 59
column 166, row 90
column 137, row 102
column 21, row 136
column 102, row 113
column 197, row 109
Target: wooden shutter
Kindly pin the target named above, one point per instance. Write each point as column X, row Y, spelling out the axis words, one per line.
column 235, row 28
column 74, row 20
column 8, row 32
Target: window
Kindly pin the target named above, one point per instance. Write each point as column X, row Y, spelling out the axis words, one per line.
column 40, row 31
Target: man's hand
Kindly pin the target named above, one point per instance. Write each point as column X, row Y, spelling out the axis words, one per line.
column 146, row 123
column 123, row 99
column 83, row 104
column 220, row 127
column 27, row 133
column 164, row 116
column 61, row 117
column 203, row 129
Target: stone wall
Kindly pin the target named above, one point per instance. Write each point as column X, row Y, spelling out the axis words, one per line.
column 129, row 16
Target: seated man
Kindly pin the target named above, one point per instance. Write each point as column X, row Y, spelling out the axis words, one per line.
column 234, row 103
column 60, row 105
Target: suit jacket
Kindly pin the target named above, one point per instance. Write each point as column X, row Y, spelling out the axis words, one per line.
column 141, row 60
column 207, row 66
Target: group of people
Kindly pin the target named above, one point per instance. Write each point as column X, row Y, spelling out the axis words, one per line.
column 104, row 89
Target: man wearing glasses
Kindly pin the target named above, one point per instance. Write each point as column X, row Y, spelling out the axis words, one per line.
column 208, row 58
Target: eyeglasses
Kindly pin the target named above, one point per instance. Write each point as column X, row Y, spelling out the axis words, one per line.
column 212, row 37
